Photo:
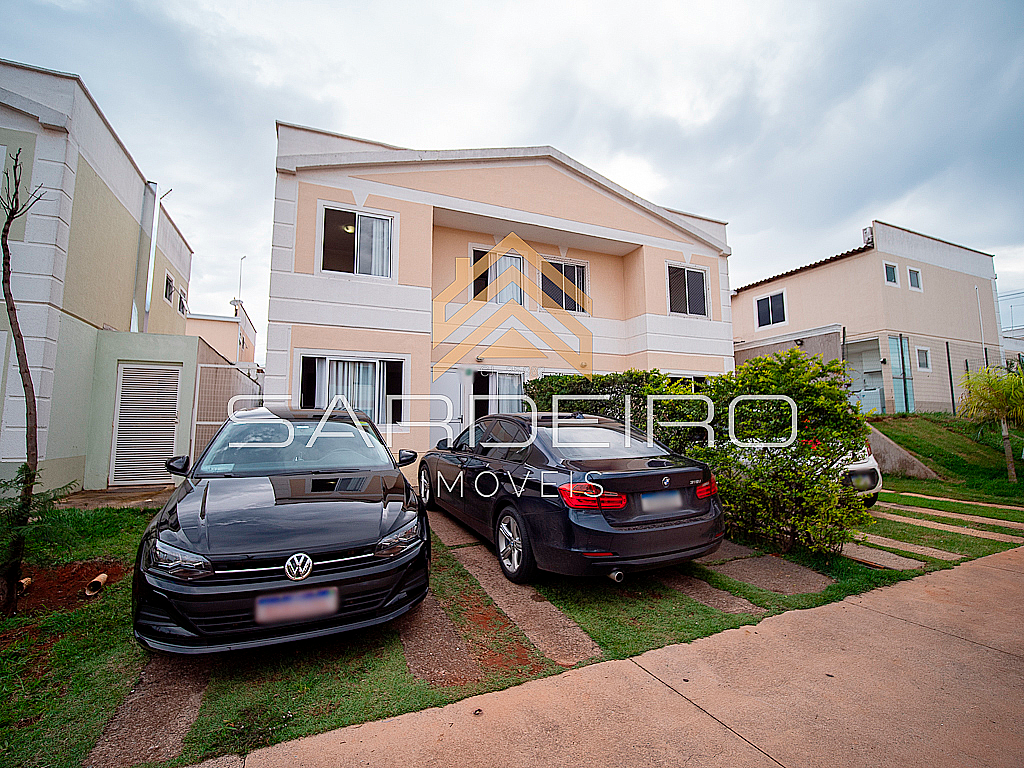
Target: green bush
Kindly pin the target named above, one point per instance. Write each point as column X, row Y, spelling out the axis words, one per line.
column 787, row 496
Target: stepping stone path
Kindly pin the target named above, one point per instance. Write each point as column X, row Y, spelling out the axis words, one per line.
column 774, row 574
column 434, row 649
column 704, row 593
column 727, row 551
column 949, row 528
column 556, row 635
column 879, row 558
column 955, row 515
column 916, row 549
column 961, row 501
column 151, row 723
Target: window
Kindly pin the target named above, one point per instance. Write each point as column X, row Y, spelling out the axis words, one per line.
column 356, row 243
column 567, row 289
column 482, row 290
column 914, row 279
column 924, row 359
column 892, row 275
column 168, row 288
column 366, row 385
column 771, row 310
column 182, row 306
column 687, row 294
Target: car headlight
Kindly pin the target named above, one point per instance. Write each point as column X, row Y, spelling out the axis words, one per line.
column 399, row 541
column 162, row 558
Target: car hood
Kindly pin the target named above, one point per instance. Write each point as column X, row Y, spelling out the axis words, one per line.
column 285, row 513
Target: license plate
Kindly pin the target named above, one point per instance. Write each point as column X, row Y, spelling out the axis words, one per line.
column 293, row 606
column 661, row 501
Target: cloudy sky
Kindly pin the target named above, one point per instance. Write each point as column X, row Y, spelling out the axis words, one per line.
column 796, row 122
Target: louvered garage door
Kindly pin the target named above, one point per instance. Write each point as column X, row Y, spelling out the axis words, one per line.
column 145, row 421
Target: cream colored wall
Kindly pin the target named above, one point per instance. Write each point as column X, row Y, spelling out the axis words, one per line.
column 222, row 335
column 164, row 317
column 99, row 282
column 26, row 142
column 538, row 188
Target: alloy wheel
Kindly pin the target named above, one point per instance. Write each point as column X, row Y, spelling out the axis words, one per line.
column 510, row 544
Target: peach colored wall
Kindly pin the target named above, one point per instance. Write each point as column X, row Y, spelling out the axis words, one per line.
column 222, row 335
column 306, row 221
column 375, row 342
column 538, row 188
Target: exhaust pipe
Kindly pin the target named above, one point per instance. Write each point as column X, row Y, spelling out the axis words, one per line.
column 617, row 576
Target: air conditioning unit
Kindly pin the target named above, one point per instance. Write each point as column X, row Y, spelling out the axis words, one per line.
column 869, row 235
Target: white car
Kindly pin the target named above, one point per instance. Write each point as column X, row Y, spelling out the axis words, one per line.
column 865, row 476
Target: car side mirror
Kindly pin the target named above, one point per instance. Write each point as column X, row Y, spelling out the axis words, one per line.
column 405, row 458
column 178, row 465
column 442, row 444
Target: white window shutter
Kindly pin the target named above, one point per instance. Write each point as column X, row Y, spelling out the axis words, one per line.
column 145, row 423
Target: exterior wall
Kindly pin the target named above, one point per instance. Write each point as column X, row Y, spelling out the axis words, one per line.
column 113, row 348
column 826, row 342
column 171, row 256
column 221, row 334
column 103, row 251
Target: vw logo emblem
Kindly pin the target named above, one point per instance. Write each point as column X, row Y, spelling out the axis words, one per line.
column 665, row 481
column 298, row 566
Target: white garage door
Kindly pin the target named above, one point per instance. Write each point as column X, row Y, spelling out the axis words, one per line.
column 145, row 422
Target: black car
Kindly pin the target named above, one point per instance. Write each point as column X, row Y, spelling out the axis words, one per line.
column 558, row 504
column 287, row 527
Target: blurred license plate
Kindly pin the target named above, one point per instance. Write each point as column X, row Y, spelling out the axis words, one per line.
column 661, row 501
column 292, row 606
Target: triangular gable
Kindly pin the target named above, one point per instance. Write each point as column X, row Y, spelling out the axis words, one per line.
column 537, row 188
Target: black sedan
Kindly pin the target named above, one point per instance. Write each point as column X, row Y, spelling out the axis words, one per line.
column 589, row 498
column 289, row 526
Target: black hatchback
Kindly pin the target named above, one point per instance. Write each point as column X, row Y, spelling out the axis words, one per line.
column 289, row 526
column 585, row 496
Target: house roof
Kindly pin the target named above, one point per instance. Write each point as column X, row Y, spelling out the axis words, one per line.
column 391, row 156
column 806, row 267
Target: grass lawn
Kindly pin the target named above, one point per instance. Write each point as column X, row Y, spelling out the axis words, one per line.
column 977, row 469
column 995, row 513
column 961, row 544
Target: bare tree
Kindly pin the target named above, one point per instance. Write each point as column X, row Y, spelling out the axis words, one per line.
column 13, row 208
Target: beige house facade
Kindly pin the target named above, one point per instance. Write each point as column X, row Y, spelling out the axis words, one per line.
column 233, row 336
column 908, row 312
column 464, row 273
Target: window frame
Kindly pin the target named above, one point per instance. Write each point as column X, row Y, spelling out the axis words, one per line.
column 524, row 268
column 896, row 272
column 182, row 302
column 585, row 287
column 174, row 288
column 785, row 309
column 917, row 358
column 318, row 254
column 920, row 281
column 707, row 289
column 331, row 355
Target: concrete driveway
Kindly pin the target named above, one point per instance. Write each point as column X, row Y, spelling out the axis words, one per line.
column 928, row 672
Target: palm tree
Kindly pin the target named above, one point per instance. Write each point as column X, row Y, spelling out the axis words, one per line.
column 995, row 395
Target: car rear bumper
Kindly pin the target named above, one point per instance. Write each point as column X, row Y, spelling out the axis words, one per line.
column 865, row 477
column 190, row 618
column 632, row 549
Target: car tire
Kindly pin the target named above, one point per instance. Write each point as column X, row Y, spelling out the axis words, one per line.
column 426, row 488
column 869, row 501
column 512, row 544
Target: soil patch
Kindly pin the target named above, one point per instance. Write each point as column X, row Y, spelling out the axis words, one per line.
column 451, row 532
column 775, row 574
column 434, row 649
column 63, row 587
column 151, row 723
column 152, row 497
column 556, row 635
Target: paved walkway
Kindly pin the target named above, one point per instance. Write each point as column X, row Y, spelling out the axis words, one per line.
column 1005, row 537
column 954, row 515
column 923, row 673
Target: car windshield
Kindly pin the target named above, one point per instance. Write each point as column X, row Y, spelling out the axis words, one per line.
column 263, row 448
column 607, row 442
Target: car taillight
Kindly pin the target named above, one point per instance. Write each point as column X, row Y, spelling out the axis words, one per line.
column 707, row 489
column 590, row 496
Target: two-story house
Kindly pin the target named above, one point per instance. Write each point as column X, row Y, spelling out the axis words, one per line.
column 909, row 313
column 463, row 273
